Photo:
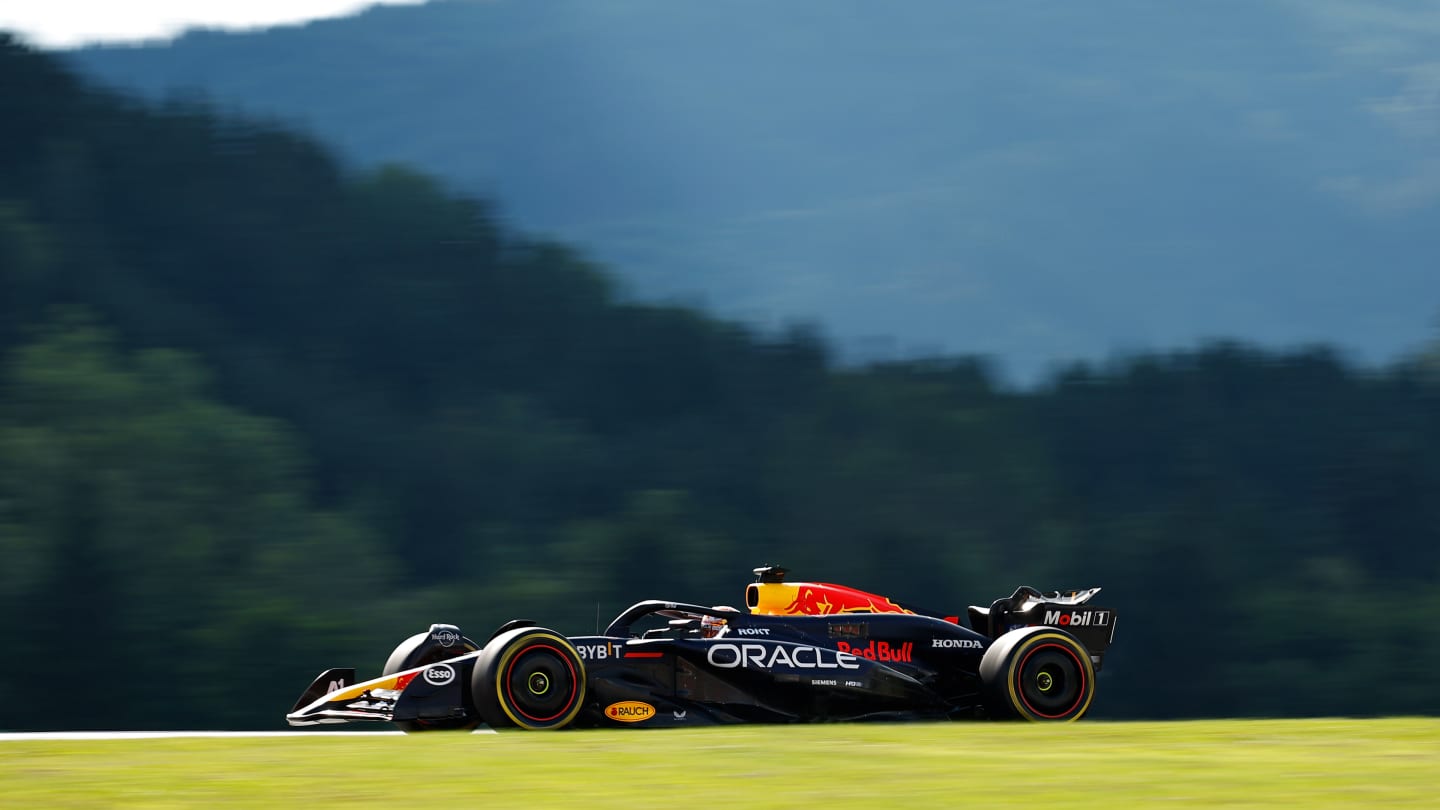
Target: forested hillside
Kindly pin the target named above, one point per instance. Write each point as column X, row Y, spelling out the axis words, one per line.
column 262, row 412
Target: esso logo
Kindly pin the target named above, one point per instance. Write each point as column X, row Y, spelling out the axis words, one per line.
column 439, row 675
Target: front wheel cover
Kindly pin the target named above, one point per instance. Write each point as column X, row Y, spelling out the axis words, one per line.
column 531, row 678
column 1040, row 674
column 418, row 651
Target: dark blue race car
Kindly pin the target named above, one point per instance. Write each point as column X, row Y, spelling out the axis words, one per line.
column 797, row 652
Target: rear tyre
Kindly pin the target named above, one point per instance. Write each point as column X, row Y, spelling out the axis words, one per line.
column 418, row 651
column 529, row 677
column 1040, row 674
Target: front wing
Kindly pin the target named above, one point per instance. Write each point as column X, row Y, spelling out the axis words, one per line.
column 431, row 692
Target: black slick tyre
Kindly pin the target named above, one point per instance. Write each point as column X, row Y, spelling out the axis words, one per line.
column 529, row 677
column 417, row 651
column 1040, row 674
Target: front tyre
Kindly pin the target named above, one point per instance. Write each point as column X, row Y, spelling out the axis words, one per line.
column 529, row 677
column 421, row 649
column 1040, row 674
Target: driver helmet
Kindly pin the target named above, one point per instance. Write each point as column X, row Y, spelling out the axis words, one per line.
column 711, row 626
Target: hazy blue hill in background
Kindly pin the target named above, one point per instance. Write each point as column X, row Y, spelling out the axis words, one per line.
column 1036, row 182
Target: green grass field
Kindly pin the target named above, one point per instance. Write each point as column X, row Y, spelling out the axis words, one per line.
column 1245, row 763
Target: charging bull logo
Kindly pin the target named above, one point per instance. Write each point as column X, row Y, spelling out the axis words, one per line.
column 824, row 601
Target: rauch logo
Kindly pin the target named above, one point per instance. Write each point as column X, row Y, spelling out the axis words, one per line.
column 630, row 711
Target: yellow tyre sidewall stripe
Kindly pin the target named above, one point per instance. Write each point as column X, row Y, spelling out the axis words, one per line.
column 1019, row 655
column 505, row 662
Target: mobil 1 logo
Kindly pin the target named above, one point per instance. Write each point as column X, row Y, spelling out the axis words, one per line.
column 1077, row 618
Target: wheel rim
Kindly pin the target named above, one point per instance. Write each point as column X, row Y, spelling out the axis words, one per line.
column 1045, row 681
column 540, row 683
column 1051, row 681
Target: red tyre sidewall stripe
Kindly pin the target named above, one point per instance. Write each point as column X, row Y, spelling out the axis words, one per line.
column 1079, row 667
column 574, row 681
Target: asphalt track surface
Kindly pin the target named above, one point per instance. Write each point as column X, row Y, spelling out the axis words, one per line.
column 30, row 736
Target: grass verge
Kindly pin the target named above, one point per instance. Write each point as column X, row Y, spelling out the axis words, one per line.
column 1240, row 763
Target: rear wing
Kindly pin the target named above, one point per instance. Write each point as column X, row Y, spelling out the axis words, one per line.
column 1070, row 611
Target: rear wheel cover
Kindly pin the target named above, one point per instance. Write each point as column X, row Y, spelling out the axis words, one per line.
column 1050, row 677
column 1041, row 674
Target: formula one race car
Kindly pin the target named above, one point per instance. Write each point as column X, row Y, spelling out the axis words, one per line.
column 802, row 651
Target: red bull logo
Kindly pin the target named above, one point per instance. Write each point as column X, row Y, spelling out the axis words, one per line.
column 880, row 651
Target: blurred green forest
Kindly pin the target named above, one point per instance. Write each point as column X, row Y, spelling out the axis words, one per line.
column 262, row 413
